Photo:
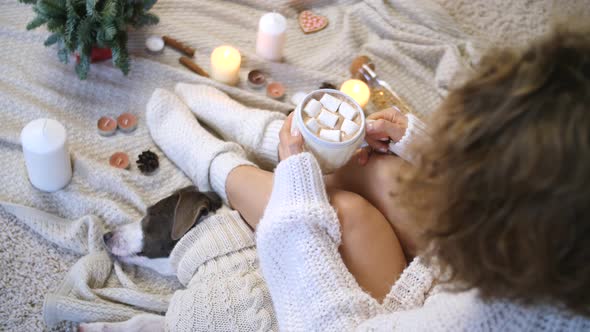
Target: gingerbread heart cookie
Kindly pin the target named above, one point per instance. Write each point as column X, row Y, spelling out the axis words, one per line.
column 310, row 22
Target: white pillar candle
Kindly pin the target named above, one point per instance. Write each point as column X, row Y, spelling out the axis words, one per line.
column 271, row 36
column 357, row 90
column 225, row 65
column 46, row 154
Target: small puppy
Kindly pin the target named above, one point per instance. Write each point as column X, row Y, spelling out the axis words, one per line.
column 149, row 243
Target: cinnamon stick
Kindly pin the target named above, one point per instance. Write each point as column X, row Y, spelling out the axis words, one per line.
column 178, row 46
column 188, row 63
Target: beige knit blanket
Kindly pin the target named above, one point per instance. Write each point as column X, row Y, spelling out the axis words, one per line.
column 418, row 46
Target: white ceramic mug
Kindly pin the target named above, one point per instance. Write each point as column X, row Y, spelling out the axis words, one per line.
column 330, row 155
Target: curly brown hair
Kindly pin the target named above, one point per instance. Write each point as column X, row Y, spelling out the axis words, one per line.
column 504, row 186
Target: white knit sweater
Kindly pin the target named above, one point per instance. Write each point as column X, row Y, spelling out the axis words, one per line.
column 416, row 130
column 312, row 290
column 224, row 289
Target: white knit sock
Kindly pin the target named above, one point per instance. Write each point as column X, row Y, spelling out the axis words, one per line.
column 255, row 129
column 206, row 160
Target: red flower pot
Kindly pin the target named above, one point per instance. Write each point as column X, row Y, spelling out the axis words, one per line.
column 98, row 54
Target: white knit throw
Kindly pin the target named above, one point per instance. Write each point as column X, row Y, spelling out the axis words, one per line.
column 417, row 47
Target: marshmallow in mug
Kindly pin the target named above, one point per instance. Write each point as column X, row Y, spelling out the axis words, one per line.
column 328, row 118
column 330, row 102
column 347, row 111
column 330, row 135
column 349, row 127
column 325, row 123
column 313, row 125
column 313, row 108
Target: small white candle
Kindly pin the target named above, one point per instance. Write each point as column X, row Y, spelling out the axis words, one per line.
column 225, row 65
column 357, row 90
column 271, row 36
column 46, row 154
column 154, row 44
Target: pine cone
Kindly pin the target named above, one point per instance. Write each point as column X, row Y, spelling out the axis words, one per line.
column 327, row 85
column 147, row 162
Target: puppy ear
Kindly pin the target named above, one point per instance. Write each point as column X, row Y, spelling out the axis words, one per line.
column 190, row 207
column 214, row 200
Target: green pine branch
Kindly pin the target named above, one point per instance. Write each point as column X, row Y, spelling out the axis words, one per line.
column 36, row 22
column 109, row 10
column 90, row 4
column 54, row 38
column 79, row 25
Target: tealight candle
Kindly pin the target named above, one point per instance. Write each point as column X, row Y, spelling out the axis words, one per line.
column 225, row 65
column 357, row 90
column 119, row 160
column 154, row 44
column 127, row 122
column 256, row 79
column 271, row 36
column 106, row 126
column 275, row 90
column 47, row 159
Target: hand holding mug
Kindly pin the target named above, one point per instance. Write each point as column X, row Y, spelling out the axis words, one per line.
column 291, row 141
column 383, row 127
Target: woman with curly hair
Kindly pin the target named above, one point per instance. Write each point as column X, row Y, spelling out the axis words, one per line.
column 493, row 213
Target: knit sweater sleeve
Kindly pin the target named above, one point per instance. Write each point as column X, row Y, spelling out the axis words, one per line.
column 298, row 239
column 415, row 131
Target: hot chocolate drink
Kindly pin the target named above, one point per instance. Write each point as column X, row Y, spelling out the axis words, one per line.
column 331, row 118
column 332, row 125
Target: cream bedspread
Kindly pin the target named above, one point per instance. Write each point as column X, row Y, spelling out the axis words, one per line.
column 419, row 47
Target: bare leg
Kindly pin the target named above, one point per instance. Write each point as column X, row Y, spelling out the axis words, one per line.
column 378, row 182
column 369, row 248
column 248, row 191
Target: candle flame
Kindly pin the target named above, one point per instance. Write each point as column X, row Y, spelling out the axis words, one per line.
column 227, row 53
column 357, row 90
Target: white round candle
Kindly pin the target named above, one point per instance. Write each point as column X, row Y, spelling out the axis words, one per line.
column 154, row 44
column 46, row 154
column 357, row 90
column 271, row 36
column 225, row 65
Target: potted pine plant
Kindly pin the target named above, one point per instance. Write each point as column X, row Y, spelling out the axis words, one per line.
column 91, row 29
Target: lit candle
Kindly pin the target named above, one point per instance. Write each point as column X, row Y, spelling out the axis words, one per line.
column 46, row 154
column 271, row 36
column 357, row 90
column 225, row 65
